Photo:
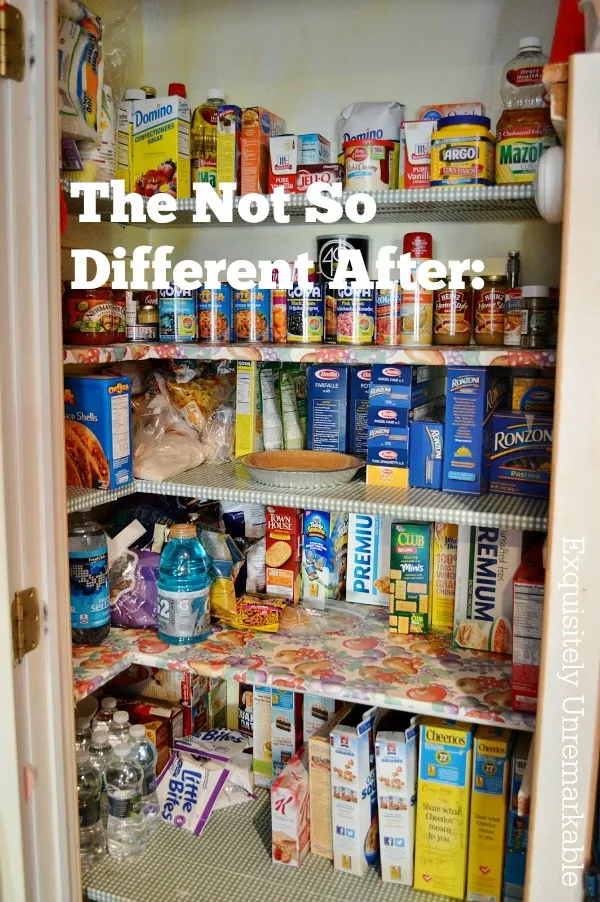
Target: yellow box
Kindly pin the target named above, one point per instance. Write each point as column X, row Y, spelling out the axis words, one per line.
column 391, row 476
column 248, row 408
column 443, row 797
column 161, row 147
column 443, row 579
column 489, row 808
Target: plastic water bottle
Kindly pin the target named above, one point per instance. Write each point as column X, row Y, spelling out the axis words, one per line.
column 184, row 580
column 91, row 830
column 146, row 755
column 126, row 833
column 108, row 707
column 120, row 728
column 83, row 733
column 101, row 755
column 88, row 575
column 521, row 85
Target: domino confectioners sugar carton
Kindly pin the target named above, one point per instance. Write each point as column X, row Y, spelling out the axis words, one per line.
column 443, row 799
column 319, row 769
column 489, row 803
column 368, row 568
column 161, row 147
column 396, row 768
column 290, row 812
column 262, row 748
column 518, row 824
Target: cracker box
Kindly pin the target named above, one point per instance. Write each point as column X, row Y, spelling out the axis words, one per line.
column 258, row 126
column 426, row 454
column 358, row 408
column 410, row 575
column 324, row 555
column 284, row 552
column 521, row 454
column 290, row 812
column 518, row 824
column 532, row 395
column 229, row 145
column 472, row 396
column 283, row 156
column 486, row 562
column 317, row 712
column 286, row 727
column 443, row 577
column 248, row 408
column 368, row 573
column 444, row 110
column 327, row 389
column 319, row 769
column 416, row 152
column 354, row 792
column 396, row 768
column 489, row 801
column 314, row 149
column 98, row 444
column 161, row 147
column 528, row 615
column 443, row 799
column 262, row 750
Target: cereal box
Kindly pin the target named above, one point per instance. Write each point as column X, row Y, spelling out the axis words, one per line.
column 290, row 812
column 314, row 148
column 486, row 562
column 327, row 388
column 444, row 110
column 161, row 146
column 319, row 768
column 262, row 750
column 98, row 445
column 443, row 577
column 489, row 801
column 324, row 555
column 532, row 395
column 216, row 703
column 521, row 454
column 248, row 409
column 258, row 125
column 528, row 615
column 426, row 454
column 286, row 727
column 229, row 145
column 410, row 574
column 443, row 798
column 240, row 706
column 317, row 712
column 354, row 792
column 518, row 824
column 284, row 552
column 416, row 152
column 358, row 407
column 396, row 768
column 368, row 576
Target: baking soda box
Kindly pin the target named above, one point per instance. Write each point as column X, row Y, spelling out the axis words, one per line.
column 443, row 799
column 368, row 573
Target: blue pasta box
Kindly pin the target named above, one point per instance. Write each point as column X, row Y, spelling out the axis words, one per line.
column 426, row 454
column 327, row 390
column 521, row 454
column 387, row 456
column 98, row 446
column 358, row 407
column 386, row 412
column 473, row 394
column 402, row 374
column 406, row 389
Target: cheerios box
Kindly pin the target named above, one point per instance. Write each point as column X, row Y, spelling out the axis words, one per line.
column 521, row 454
column 368, row 571
column 354, row 792
column 410, row 578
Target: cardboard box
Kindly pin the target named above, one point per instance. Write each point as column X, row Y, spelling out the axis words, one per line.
column 216, row 703
column 317, row 712
column 443, row 577
column 521, row 454
column 443, row 799
column 532, row 395
column 262, row 749
column 313, row 148
column 125, row 145
column 368, row 574
column 283, row 165
column 310, row 173
column 240, row 706
column 98, row 443
column 518, row 824
column 489, row 801
column 354, row 792
column 319, row 770
column 486, row 562
column 178, row 686
column 358, row 409
column 248, row 408
column 416, row 151
column 426, row 454
column 388, row 446
column 405, row 386
column 327, row 389
column 472, row 396
column 258, row 126
column 396, row 768
column 229, row 145
column 392, row 476
column 290, row 813
column 286, row 727
column 146, row 711
column 324, row 555
column 528, row 617
column 388, row 410
column 443, row 110
column 284, row 552
column 410, row 578
column 161, row 145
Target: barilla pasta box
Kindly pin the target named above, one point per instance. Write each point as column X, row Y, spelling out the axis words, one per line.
column 290, row 812
column 284, row 552
column 396, row 769
column 262, row 749
column 489, row 803
column 384, row 410
column 286, row 727
column 528, row 616
column 426, row 454
column 521, row 454
column 532, row 395
column 317, row 712
column 518, row 824
column 161, row 147
column 415, row 147
column 248, row 408
column 387, row 456
column 486, row 562
column 258, row 126
column 358, row 408
column 410, row 576
column 473, row 394
column 368, row 569
column 354, row 792
column 324, row 555
column 327, row 390
column 405, row 386
column 443, row 799
column 319, row 770
column 314, row 148
column 98, row 444
column 229, row 145
column 443, row 577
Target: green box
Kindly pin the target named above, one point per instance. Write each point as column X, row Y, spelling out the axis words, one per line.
column 410, row 578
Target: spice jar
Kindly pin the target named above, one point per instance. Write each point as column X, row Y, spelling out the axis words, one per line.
column 535, row 317
column 453, row 315
column 488, row 304
column 88, row 316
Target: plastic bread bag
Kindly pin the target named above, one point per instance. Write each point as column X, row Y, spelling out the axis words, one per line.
column 293, row 439
column 244, row 521
column 271, row 411
column 256, row 567
column 337, row 617
column 227, row 561
column 218, row 438
column 138, row 373
column 188, row 789
column 80, row 70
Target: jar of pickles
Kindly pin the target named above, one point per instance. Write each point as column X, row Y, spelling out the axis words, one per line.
column 488, row 310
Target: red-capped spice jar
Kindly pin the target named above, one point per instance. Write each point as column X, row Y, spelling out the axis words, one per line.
column 416, row 312
column 88, row 316
column 488, row 310
column 453, row 315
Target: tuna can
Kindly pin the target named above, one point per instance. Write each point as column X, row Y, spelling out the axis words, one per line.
column 252, row 314
column 215, row 313
column 177, row 313
column 355, row 315
column 388, row 321
column 368, row 164
column 305, row 314
column 328, row 258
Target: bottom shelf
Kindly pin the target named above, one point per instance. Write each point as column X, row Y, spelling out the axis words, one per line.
column 231, row 860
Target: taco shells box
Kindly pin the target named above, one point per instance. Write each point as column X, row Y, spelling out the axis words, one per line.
column 98, row 446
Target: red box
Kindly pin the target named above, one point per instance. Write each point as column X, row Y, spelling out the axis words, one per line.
column 144, row 711
column 306, row 175
column 528, row 611
column 284, row 552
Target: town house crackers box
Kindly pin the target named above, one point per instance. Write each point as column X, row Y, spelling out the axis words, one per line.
column 410, row 570
column 284, row 552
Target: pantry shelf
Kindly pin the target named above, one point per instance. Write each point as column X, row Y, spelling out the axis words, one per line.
column 346, row 652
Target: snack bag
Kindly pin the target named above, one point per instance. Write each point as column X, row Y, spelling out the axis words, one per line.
column 80, row 70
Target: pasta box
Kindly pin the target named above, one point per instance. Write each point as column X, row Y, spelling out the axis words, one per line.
column 327, row 389
column 358, row 408
column 410, row 575
column 286, row 726
column 426, row 454
column 290, row 812
column 528, row 615
column 284, row 552
column 368, row 573
column 404, row 386
column 98, row 443
column 521, row 454
column 532, row 395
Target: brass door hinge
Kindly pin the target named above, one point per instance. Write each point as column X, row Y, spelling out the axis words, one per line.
column 12, row 43
column 25, row 622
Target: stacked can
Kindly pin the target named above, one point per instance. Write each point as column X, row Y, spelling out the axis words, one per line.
column 328, row 258
column 252, row 314
column 141, row 315
column 177, row 314
column 305, row 313
column 388, row 322
column 355, row 315
column 214, row 307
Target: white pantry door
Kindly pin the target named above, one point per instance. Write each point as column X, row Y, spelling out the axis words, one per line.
column 38, row 823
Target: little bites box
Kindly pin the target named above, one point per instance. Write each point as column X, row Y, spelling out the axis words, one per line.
column 161, row 147
column 410, row 573
column 443, row 799
column 258, row 126
column 284, row 552
column 368, row 569
column 290, row 813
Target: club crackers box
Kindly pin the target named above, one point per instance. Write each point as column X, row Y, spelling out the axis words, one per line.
column 319, row 769
column 286, row 727
column 358, row 407
column 521, row 454
column 410, row 578
column 368, row 568
column 284, row 552
column 518, row 824
column 327, row 390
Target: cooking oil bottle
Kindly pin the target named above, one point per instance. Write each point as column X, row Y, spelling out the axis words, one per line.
column 204, row 138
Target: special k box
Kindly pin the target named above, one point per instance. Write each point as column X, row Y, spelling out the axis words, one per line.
column 284, row 552
column 258, row 126
column 443, row 799
column 290, row 812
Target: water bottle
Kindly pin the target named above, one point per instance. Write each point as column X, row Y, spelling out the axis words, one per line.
column 120, row 728
column 184, row 580
column 88, row 575
column 146, row 755
column 105, row 714
column 101, row 755
column 83, row 733
column 91, row 830
column 522, row 77
column 126, row 832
